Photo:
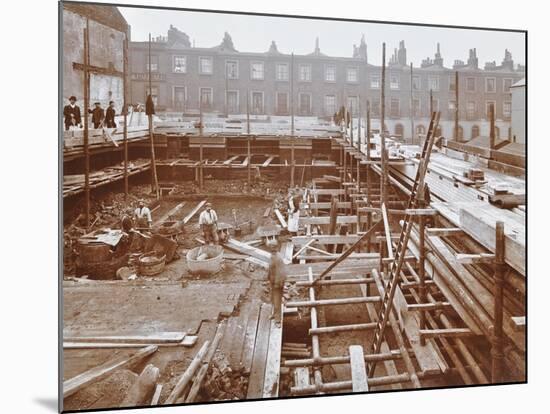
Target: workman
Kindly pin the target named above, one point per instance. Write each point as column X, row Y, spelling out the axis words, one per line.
column 208, row 220
column 98, row 114
column 142, row 216
column 293, row 212
column 71, row 114
column 110, row 116
column 276, row 276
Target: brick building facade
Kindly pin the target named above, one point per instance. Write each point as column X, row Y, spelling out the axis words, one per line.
column 221, row 77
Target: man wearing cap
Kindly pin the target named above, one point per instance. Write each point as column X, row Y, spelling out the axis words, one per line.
column 71, row 114
column 97, row 115
column 142, row 215
column 276, row 276
column 110, row 116
column 208, row 220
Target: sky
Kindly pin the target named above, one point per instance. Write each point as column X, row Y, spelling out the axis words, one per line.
column 336, row 38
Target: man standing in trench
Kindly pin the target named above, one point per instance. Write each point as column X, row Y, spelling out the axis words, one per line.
column 276, row 276
column 208, row 220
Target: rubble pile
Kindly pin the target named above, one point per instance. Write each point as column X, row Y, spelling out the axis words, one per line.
column 260, row 187
column 105, row 211
column 223, row 383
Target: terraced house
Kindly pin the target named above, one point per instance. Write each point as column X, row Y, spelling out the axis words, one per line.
column 224, row 80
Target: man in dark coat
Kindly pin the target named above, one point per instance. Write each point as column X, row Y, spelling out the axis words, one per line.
column 110, row 116
column 98, row 114
column 71, row 114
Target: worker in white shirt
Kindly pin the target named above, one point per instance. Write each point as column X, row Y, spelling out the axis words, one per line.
column 293, row 212
column 208, row 220
column 142, row 216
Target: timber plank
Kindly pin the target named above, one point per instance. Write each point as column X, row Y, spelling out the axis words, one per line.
column 358, row 370
column 257, row 370
column 273, row 364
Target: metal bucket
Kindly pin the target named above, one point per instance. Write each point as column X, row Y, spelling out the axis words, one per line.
column 211, row 264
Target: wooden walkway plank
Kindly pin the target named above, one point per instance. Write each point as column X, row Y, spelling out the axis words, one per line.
column 358, row 370
column 257, row 370
column 250, row 336
column 273, row 363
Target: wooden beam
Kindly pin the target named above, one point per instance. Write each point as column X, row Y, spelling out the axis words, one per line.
column 98, row 373
column 451, row 332
column 268, row 161
column 474, row 258
column 359, row 381
column 451, row 231
column 189, row 216
column 280, row 218
column 248, row 250
column 273, row 361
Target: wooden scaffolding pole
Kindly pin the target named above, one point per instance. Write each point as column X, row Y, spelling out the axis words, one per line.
column 456, row 137
column 497, row 349
column 384, row 178
column 125, row 115
column 412, row 106
column 154, row 184
column 86, row 130
column 292, row 160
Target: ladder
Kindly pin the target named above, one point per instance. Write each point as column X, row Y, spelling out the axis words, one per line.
column 395, row 270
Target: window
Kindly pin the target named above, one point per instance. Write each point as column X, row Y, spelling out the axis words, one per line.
column 452, row 107
column 353, row 105
column 154, row 63
column 205, row 66
column 475, row 131
column 179, row 97
column 433, row 83
column 375, row 82
column 330, row 104
column 460, row 132
column 471, row 109
column 232, row 69
column 232, row 102
column 154, row 93
column 257, row 102
column 471, row 84
column 420, row 130
column 399, row 130
column 257, row 71
column 490, row 85
column 416, row 107
column 179, row 64
column 506, row 109
column 330, row 73
column 304, row 104
column 488, row 106
column 435, row 105
column 394, row 107
column 206, row 98
column 351, row 75
column 506, row 84
column 281, row 71
column 394, row 81
column 305, row 73
column 282, row 103
column 416, row 83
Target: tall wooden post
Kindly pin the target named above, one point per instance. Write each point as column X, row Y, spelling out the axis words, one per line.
column 384, row 178
column 421, row 261
column 497, row 349
column 201, row 136
column 457, row 138
column 248, row 111
column 367, row 172
column 492, row 135
column 351, row 123
column 154, row 183
column 292, row 160
column 359, row 124
column 86, row 130
column 248, row 157
column 125, row 115
column 412, row 106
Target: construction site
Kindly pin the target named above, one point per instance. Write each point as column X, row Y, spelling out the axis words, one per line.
column 403, row 258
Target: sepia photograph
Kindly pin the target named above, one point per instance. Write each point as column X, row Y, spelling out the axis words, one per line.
column 260, row 206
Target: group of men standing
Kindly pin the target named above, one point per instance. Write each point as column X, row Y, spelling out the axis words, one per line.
column 72, row 117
